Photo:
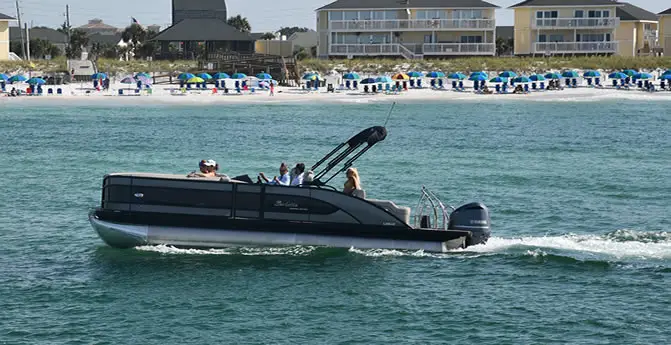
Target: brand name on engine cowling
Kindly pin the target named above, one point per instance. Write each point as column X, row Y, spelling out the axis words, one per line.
column 478, row 222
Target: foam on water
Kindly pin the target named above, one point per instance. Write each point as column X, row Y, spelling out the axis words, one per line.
column 249, row 251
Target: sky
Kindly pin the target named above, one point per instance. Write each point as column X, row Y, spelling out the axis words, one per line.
column 262, row 14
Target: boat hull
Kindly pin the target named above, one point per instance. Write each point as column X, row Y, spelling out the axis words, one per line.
column 122, row 235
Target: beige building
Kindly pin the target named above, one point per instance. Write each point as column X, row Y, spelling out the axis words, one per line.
column 406, row 28
column 665, row 32
column 4, row 36
column 554, row 27
column 637, row 33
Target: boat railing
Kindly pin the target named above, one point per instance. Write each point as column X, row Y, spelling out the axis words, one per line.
column 431, row 212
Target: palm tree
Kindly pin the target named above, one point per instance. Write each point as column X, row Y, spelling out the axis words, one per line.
column 240, row 23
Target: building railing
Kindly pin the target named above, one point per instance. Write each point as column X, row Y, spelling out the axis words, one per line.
column 603, row 23
column 576, row 47
column 412, row 24
column 650, row 35
column 459, row 48
column 364, row 49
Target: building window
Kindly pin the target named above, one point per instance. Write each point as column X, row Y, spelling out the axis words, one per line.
column 471, row 39
column 390, row 15
column 542, row 38
column 556, row 38
column 592, row 37
column 467, row 14
column 350, row 15
column 335, row 15
column 598, row 14
column 579, row 13
column 547, row 14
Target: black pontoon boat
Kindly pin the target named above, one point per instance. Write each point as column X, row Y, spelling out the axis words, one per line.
column 150, row 209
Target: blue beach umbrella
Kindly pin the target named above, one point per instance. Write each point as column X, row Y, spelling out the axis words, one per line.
column 368, row 81
column 204, row 76
column 570, row 74
column 144, row 80
column 537, row 77
column 477, row 77
column 436, row 74
column 629, row 72
column 3, row 77
column 479, row 73
column 617, row 75
column 415, row 74
column 185, row 76
column 667, row 72
column 221, row 75
column 36, row 81
column 351, row 76
column 666, row 77
column 553, row 76
column 508, row 74
column 591, row 74
column 522, row 80
column 239, row 76
column 143, row 74
column 457, row 76
column 499, row 80
column 309, row 76
column 383, row 79
column 17, row 79
column 128, row 80
column 99, row 76
column 642, row 76
column 264, row 76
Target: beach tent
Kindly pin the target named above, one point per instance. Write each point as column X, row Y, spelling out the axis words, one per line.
column 400, row 76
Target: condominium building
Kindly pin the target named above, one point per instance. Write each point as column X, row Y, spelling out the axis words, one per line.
column 665, row 31
column 411, row 29
column 551, row 27
column 637, row 33
column 4, row 36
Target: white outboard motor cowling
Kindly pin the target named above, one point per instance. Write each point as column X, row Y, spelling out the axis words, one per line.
column 473, row 217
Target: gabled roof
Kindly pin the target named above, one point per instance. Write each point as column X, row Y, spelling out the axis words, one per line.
column 47, row 34
column 104, row 39
column 5, row 17
column 665, row 12
column 202, row 29
column 400, row 4
column 541, row 3
column 631, row 12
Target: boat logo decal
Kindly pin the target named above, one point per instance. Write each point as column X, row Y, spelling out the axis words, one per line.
column 286, row 204
column 139, row 195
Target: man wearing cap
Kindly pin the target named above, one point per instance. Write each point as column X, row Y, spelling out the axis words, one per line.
column 207, row 169
column 283, row 180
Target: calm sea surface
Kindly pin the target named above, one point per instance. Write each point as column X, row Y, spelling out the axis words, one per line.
column 580, row 196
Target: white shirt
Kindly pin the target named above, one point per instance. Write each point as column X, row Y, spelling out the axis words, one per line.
column 298, row 180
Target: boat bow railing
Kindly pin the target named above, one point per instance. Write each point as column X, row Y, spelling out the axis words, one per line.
column 431, row 212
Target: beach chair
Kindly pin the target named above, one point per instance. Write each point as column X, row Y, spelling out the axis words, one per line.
column 253, row 90
column 419, row 83
column 120, row 92
column 504, row 88
column 59, row 91
column 662, row 85
column 568, row 82
column 433, row 83
column 40, row 91
column 640, row 84
column 137, row 91
column 412, row 83
column 597, row 82
column 355, row 85
column 476, row 86
column 542, row 87
column 405, row 86
column 615, row 83
column 498, row 88
column 482, row 84
column 374, row 88
column 365, row 89
column 50, row 91
column 526, row 88
column 440, row 84
column 348, row 85
column 387, row 88
column 534, row 86
column 238, row 90
column 461, row 86
column 454, row 84
column 574, row 83
column 589, row 81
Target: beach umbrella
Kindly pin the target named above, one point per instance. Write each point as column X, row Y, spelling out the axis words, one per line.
column 435, row 75
column 143, row 74
column 17, row 79
column 498, row 80
column 383, row 79
column 508, row 74
column 239, row 76
column 3, row 77
column 666, row 77
column 570, row 74
column 128, row 80
column 537, row 77
column 99, row 76
column 36, row 81
column 480, row 73
column 617, row 75
column 221, row 75
column 553, row 76
column 195, row 80
column 477, row 77
column 642, row 76
column 311, row 76
column 185, row 76
column 591, row 74
column 400, row 76
column 522, row 80
column 264, row 76
column 629, row 72
column 368, row 81
column 457, row 76
column 415, row 74
column 144, row 80
column 204, row 76
column 351, row 76
column 667, row 72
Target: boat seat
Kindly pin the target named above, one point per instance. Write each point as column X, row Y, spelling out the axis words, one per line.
column 403, row 213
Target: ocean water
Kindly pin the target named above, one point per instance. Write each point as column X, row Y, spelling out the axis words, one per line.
column 579, row 192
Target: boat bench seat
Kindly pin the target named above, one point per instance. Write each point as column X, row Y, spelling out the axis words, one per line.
column 401, row 212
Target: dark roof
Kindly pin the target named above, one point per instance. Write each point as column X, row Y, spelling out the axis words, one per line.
column 351, row 4
column 202, row 29
column 105, row 39
column 5, row 17
column 505, row 32
column 631, row 12
column 666, row 12
column 528, row 3
column 47, row 34
column 256, row 36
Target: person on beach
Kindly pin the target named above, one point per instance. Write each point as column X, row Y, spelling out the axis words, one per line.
column 272, row 88
column 353, row 182
column 283, row 180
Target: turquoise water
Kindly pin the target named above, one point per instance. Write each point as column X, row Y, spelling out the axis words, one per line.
column 580, row 195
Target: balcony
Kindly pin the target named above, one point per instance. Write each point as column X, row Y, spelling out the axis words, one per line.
column 413, row 51
column 650, row 35
column 364, row 49
column 576, row 23
column 552, row 48
column 412, row 25
column 460, row 49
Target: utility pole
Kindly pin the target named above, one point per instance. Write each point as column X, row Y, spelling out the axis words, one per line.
column 27, row 41
column 67, row 23
column 23, row 42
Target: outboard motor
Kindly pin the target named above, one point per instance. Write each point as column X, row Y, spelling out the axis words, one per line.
column 474, row 218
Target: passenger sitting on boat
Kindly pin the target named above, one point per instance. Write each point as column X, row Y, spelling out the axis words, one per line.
column 353, row 183
column 298, row 174
column 283, row 180
column 207, row 169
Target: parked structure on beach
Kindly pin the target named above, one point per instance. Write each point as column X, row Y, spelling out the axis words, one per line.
column 407, row 28
column 665, row 31
column 637, row 32
column 4, row 36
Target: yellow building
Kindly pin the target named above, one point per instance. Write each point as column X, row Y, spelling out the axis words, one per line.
column 557, row 27
column 637, row 32
column 665, row 31
column 4, row 36
column 406, row 28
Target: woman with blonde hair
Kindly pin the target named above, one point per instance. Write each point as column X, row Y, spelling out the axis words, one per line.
column 353, row 183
